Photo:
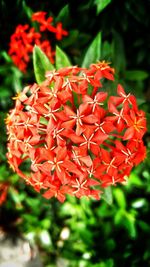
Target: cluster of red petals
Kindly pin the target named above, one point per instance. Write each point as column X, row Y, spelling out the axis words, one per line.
column 74, row 138
column 25, row 37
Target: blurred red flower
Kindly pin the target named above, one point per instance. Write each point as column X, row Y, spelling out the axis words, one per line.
column 25, row 37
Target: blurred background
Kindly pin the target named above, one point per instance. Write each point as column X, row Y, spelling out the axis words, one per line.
column 114, row 231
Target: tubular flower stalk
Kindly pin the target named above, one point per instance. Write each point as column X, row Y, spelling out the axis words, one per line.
column 68, row 136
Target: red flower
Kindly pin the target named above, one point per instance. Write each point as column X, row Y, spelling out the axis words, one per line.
column 103, row 70
column 79, row 118
column 119, row 116
column 97, row 101
column 136, row 124
column 123, row 98
column 80, row 157
column 25, row 37
column 39, row 16
column 74, row 142
column 59, row 31
column 81, row 187
column 46, row 25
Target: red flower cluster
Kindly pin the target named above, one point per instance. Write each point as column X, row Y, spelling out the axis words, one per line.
column 73, row 136
column 25, row 37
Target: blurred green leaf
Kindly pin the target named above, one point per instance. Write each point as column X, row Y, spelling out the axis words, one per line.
column 5, row 55
column 140, row 101
column 136, row 75
column 85, row 203
column 41, row 64
column 27, row 10
column 93, row 52
column 14, row 178
column 4, row 92
column 63, row 16
column 120, row 198
column 144, row 226
column 126, row 220
column 4, row 173
column 46, row 223
column 107, row 263
column 33, row 202
column 129, row 223
column 134, row 179
column 101, row 4
column 107, row 195
column 16, row 196
column 16, row 79
column 107, row 51
column 62, row 59
column 30, row 219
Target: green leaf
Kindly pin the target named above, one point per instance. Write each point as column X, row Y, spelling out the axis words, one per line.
column 27, row 10
column 41, row 64
column 120, row 198
column 136, row 75
column 107, row 50
column 140, row 101
column 4, row 92
column 101, row 4
column 93, row 53
column 6, row 57
column 106, row 263
column 62, row 59
column 16, row 79
column 63, row 15
column 126, row 220
column 144, row 226
column 4, row 174
column 107, row 195
column 129, row 223
column 134, row 180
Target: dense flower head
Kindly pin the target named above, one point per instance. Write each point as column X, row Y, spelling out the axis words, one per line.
column 72, row 136
column 25, row 37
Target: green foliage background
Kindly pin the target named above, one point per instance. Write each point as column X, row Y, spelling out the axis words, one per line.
column 115, row 231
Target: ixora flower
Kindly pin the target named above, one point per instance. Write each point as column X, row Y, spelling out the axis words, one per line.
column 24, row 38
column 69, row 136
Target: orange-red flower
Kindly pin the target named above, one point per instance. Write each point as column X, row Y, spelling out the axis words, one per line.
column 25, row 37
column 75, row 142
column 59, row 31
